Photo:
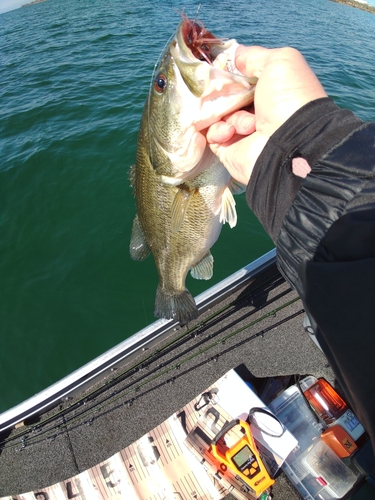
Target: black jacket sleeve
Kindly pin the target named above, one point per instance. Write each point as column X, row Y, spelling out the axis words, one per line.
column 324, row 230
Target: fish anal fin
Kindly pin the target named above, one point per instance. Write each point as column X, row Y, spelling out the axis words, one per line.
column 204, row 269
column 138, row 247
column 228, row 208
column 180, row 205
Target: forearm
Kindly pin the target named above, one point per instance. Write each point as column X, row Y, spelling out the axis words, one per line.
column 310, row 133
column 324, row 230
column 297, row 212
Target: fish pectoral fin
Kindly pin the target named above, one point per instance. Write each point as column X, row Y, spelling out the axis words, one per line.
column 180, row 205
column 236, row 187
column 204, row 269
column 171, row 181
column 138, row 247
column 228, row 208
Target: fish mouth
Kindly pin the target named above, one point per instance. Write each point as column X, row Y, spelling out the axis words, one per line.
column 207, row 66
column 199, row 40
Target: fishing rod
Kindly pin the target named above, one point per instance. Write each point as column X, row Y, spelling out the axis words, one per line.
column 259, row 292
column 254, row 297
column 134, row 387
column 260, row 288
column 135, row 392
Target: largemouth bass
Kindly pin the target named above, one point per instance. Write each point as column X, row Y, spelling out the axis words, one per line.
column 183, row 193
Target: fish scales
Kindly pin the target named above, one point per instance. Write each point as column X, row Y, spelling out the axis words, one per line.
column 183, row 192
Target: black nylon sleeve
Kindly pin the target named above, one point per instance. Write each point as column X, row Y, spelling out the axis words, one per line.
column 324, row 229
column 339, row 289
column 309, row 133
column 342, row 180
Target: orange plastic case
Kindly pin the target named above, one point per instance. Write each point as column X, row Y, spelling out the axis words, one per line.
column 242, row 457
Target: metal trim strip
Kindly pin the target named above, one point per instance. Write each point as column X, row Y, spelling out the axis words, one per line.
column 80, row 379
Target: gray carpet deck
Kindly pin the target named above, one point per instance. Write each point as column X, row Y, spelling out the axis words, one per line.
column 258, row 331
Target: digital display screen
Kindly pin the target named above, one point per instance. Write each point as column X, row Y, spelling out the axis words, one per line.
column 243, row 458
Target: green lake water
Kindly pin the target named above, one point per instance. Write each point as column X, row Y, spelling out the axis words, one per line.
column 74, row 75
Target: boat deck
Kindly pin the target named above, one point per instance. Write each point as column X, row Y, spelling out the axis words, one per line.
column 257, row 329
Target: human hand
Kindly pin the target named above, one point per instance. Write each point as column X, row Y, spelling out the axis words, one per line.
column 285, row 83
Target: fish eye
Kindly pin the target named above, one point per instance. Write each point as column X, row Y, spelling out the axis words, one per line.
column 160, row 83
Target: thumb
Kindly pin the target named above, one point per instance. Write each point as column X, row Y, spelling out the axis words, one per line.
column 251, row 60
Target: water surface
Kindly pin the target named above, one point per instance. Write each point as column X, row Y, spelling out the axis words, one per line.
column 73, row 79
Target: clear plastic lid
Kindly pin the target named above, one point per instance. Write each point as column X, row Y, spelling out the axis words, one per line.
column 307, row 382
column 327, row 403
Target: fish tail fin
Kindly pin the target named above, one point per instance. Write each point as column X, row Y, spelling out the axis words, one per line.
column 180, row 306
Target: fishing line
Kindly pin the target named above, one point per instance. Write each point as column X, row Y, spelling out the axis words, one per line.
column 196, row 15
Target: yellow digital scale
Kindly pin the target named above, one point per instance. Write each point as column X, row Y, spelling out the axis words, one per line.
column 242, row 457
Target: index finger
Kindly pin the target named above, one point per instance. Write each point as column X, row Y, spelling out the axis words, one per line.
column 242, row 120
column 220, row 132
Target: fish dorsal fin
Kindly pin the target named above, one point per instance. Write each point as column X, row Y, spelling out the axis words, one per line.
column 204, row 269
column 228, row 208
column 180, row 205
column 139, row 248
column 132, row 175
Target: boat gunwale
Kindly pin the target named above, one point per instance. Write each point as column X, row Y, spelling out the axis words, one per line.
column 86, row 376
